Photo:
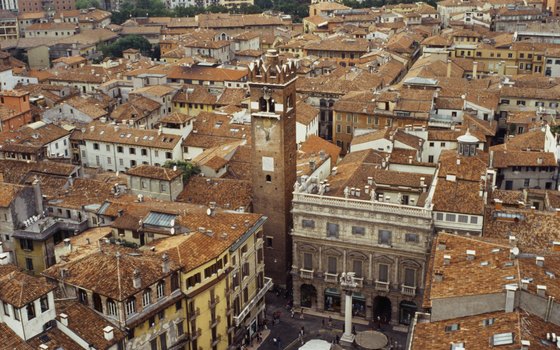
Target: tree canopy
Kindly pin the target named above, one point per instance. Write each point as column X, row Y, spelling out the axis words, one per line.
column 156, row 8
column 85, row 4
column 128, row 42
column 188, row 169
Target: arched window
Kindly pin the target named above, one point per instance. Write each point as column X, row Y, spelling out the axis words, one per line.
column 262, row 104
column 161, row 290
column 146, row 297
column 130, row 306
column 111, row 308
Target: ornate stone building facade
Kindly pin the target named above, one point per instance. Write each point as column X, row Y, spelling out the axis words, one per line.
column 385, row 244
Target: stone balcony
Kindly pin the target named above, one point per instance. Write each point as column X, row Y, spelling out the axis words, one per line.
column 382, row 286
column 306, row 274
column 407, row 290
column 331, row 277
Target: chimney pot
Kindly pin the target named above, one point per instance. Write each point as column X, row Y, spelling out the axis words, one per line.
column 165, row 263
column 541, row 290
column 471, row 254
column 446, row 259
column 108, row 332
column 136, row 279
column 540, row 261
column 64, row 319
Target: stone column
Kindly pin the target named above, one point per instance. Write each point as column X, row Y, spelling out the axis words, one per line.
column 295, row 261
column 347, row 338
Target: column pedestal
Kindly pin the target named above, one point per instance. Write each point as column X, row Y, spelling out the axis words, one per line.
column 347, row 338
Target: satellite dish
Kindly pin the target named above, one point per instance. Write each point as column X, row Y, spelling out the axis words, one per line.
column 173, row 230
column 208, row 211
column 515, row 251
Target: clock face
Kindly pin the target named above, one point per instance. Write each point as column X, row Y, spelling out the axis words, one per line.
column 267, row 123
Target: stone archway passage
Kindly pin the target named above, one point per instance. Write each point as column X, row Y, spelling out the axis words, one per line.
column 382, row 309
column 307, row 294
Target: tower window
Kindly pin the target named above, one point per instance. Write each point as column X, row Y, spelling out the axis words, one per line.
column 268, row 178
column 262, row 104
column 271, row 105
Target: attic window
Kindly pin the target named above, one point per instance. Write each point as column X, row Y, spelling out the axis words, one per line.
column 502, row 339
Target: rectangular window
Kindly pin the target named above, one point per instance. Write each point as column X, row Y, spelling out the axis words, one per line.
column 383, row 273
column 452, row 327
column 450, row 217
column 16, row 313
column 526, row 182
column 463, row 218
column 358, row 230
column 332, row 230
column 96, row 146
column 410, row 277
column 132, row 150
column 357, row 267
column 384, row 237
column 306, row 223
column 332, row 264
column 44, row 301
column 411, row 237
column 6, row 309
column 120, row 149
column 308, row 261
column 348, row 129
column 30, row 311
column 474, row 220
column 144, row 152
column 26, row 244
column 28, row 264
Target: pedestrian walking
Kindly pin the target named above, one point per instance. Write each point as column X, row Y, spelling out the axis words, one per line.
column 330, row 322
column 337, row 339
column 301, row 314
column 292, row 313
column 302, row 331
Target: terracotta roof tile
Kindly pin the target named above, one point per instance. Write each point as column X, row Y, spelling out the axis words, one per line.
column 19, row 289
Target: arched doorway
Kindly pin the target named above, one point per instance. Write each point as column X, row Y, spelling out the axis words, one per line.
column 382, row 309
column 308, row 293
column 332, row 300
column 407, row 309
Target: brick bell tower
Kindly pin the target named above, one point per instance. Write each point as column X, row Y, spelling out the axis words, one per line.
column 274, row 149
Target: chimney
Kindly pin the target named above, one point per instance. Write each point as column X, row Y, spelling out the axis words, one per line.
column 525, row 283
column 64, row 319
column 438, row 275
column 322, row 155
column 108, row 333
column 312, row 164
column 539, row 161
column 333, row 171
column 540, row 261
column 541, row 290
column 498, row 204
column 525, row 344
column 449, row 68
column 43, row 347
column 370, row 180
column 165, row 263
column 446, row 259
column 471, row 254
column 441, row 245
column 68, row 245
column 510, row 297
column 422, row 181
column 458, row 161
column 136, row 280
column 475, row 70
column 38, row 196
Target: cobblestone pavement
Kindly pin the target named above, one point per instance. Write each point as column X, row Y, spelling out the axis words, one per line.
column 287, row 330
